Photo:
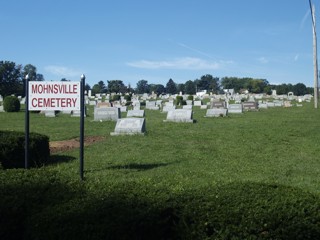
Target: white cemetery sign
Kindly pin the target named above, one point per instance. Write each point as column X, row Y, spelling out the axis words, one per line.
column 54, row 96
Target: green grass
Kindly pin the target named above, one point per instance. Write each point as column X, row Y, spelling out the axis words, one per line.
column 248, row 176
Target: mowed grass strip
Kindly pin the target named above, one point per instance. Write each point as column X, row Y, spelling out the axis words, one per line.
column 248, row 176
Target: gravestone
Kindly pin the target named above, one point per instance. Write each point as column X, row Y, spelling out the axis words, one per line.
column 278, row 103
column 169, row 104
column 151, row 105
column 77, row 113
column 187, row 107
column 123, row 109
column 1, row 109
column 197, row 103
column 249, row 106
column 168, row 108
column 287, row 104
column 216, row 112
column 189, row 102
column 107, row 114
column 104, row 104
column 270, row 104
column 203, row 107
column 135, row 113
column 180, row 115
column 49, row 113
column 263, row 105
column 235, row 108
column 130, row 126
column 66, row 111
column 217, row 104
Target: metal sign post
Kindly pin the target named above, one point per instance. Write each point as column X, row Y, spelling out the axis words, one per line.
column 26, row 148
column 82, row 112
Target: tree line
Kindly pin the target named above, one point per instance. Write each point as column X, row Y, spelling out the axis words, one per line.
column 12, row 77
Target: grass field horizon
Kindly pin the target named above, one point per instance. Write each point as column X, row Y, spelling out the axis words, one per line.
column 246, row 176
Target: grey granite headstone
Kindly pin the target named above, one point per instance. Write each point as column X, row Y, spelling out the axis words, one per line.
column 263, row 105
column 107, row 114
column 187, row 107
column 135, row 113
column 218, row 105
column 235, row 108
column 130, row 126
column 216, row 112
column 168, row 108
column 250, row 106
column 180, row 115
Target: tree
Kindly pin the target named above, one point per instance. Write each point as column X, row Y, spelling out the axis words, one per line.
column 87, row 87
column 39, row 77
column 142, row 87
column 180, row 88
column 299, row 89
column 190, row 87
column 31, row 70
column 103, row 87
column 116, row 86
column 171, row 87
column 10, row 79
column 160, row 89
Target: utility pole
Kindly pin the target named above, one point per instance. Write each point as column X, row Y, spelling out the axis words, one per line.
column 315, row 58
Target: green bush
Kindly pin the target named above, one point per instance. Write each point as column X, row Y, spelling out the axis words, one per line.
column 115, row 98
column 190, row 97
column 11, row 104
column 179, row 100
column 127, row 98
column 12, row 149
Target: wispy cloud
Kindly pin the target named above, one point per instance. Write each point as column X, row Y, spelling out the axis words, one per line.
column 306, row 15
column 263, row 60
column 62, row 71
column 296, row 57
column 180, row 63
column 194, row 50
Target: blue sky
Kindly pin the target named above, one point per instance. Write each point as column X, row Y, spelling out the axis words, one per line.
column 156, row 40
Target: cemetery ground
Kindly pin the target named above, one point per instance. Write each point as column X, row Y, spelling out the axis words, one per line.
column 246, row 176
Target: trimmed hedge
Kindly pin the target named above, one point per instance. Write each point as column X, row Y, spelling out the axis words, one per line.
column 11, row 104
column 12, row 149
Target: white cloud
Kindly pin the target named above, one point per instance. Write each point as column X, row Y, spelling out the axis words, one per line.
column 62, row 71
column 263, row 60
column 296, row 57
column 179, row 63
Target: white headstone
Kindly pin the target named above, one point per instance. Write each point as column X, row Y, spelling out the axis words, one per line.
column 180, row 115
column 135, row 113
column 216, row 112
column 235, row 108
column 130, row 126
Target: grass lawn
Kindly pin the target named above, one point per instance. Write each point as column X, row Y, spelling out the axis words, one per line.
column 248, row 176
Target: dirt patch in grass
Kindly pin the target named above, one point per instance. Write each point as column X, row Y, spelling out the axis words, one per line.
column 60, row 146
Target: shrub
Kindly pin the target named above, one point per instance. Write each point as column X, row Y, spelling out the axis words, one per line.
column 127, row 98
column 115, row 98
column 179, row 100
column 12, row 149
column 11, row 104
column 190, row 97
